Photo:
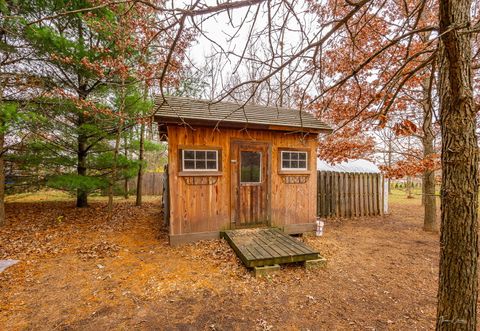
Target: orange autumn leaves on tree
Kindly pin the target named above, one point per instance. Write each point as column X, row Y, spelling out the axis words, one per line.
column 413, row 163
column 371, row 71
column 345, row 145
column 404, row 128
column 411, row 166
column 364, row 65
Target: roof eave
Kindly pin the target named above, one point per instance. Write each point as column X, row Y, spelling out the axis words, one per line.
column 240, row 125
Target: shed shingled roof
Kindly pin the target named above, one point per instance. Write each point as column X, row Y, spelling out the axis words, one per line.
column 194, row 110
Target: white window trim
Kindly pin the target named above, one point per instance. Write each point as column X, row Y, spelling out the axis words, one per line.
column 199, row 150
column 260, row 175
column 293, row 169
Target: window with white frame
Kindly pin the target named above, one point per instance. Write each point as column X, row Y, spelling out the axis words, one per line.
column 200, row 160
column 293, row 160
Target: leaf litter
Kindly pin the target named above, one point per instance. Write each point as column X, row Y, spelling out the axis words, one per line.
column 82, row 269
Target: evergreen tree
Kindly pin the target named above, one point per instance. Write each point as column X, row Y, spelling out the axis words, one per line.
column 74, row 51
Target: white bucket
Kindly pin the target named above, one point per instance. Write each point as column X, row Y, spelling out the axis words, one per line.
column 320, row 226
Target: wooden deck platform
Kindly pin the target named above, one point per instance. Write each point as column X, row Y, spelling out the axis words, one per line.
column 267, row 246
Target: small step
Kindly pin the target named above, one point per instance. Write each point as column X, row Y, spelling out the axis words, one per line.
column 267, row 247
column 266, row 270
column 315, row 264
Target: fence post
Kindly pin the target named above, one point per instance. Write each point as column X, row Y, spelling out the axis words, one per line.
column 365, row 194
column 349, row 194
column 324, row 192
column 345, row 192
column 374, row 194
column 382, row 191
column 354, row 195
column 378, row 194
column 319, row 189
column 341, row 192
column 328, row 192
column 335, row 193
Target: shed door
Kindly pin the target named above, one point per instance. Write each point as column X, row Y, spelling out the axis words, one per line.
column 250, row 184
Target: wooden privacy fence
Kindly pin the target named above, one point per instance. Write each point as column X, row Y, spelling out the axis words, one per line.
column 349, row 194
column 152, row 183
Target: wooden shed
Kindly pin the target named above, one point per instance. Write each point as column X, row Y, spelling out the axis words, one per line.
column 234, row 166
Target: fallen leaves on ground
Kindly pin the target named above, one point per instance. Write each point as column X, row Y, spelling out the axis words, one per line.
column 97, row 251
column 87, row 269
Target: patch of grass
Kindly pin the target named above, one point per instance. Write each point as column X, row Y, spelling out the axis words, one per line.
column 400, row 196
column 42, row 195
column 57, row 195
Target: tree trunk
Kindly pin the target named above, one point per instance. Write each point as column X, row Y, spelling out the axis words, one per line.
column 141, row 155
column 141, row 152
column 113, row 177
column 457, row 290
column 423, row 190
column 126, row 187
column 82, row 151
column 82, row 195
column 389, row 163
column 409, row 187
column 428, row 178
column 430, row 205
column 125, row 181
column 3, row 220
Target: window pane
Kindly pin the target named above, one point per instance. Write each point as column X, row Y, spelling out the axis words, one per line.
column 212, row 165
column 250, row 167
column 211, row 155
column 294, row 160
column 200, row 160
column 188, row 155
column 189, row 165
column 200, row 155
column 200, row 164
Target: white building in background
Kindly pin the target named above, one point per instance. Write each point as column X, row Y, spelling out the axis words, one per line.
column 356, row 166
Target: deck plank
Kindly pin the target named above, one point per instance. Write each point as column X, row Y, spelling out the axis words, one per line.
column 248, row 253
column 262, row 254
column 273, row 245
column 292, row 242
column 297, row 249
column 267, row 246
column 286, row 249
column 288, row 244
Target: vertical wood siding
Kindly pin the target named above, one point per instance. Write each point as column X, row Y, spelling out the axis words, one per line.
column 204, row 208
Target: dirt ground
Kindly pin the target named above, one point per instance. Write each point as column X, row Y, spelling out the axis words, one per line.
column 81, row 270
